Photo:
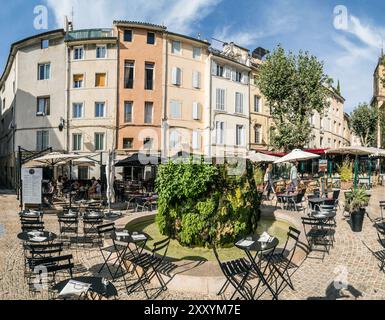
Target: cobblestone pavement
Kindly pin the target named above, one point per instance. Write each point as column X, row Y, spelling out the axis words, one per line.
column 351, row 261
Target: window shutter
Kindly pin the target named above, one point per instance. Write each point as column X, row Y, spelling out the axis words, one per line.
column 218, row 99
column 48, row 107
column 196, row 111
column 233, row 74
column 227, row 72
column 196, row 79
column 245, row 78
column 213, row 68
column 178, row 76
column 196, row 140
column 174, row 76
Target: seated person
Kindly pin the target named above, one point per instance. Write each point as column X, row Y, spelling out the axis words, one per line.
column 48, row 193
column 97, row 194
column 92, row 189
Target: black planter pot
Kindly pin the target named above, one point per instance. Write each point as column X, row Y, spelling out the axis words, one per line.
column 357, row 220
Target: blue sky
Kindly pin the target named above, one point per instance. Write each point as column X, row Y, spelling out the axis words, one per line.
column 350, row 52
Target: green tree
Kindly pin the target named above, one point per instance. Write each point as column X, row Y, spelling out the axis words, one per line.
column 338, row 87
column 364, row 123
column 295, row 86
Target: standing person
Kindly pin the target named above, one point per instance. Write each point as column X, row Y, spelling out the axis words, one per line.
column 59, row 186
column 268, row 179
column 294, row 176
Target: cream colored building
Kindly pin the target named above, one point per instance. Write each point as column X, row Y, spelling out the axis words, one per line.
column 186, row 98
column 92, row 92
column 32, row 94
column 261, row 121
column 328, row 128
column 230, row 98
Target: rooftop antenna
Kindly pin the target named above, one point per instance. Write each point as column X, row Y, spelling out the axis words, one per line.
column 72, row 15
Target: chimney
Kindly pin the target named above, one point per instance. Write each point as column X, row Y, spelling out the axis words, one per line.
column 68, row 26
column 65, row 23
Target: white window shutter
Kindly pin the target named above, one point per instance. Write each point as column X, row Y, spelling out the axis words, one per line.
column 195, row 79
column 196, row 111
column 174, row 76
column 195, row 140
column 245, row 77
column 213, row 68
column 198, row 80
column 227, row 72
column 179, row 76
column 233, row 74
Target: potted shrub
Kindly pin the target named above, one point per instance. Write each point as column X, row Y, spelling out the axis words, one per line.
column 356, row 202
column 346, row 174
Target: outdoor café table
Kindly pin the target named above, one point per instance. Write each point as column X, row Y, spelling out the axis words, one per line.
column 98, row 289
column 323, row 215
column 32, row 214
column 139, row 241
column 28, row 237
column 314, row 203
column 94, row 215
column 253, row 251
column 285, row 197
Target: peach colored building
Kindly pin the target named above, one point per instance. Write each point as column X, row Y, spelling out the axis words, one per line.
column 140, row 87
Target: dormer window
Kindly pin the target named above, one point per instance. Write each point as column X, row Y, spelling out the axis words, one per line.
column 44, row 43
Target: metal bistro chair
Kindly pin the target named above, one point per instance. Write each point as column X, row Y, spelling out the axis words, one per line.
column 318, row 234
column 39, row 251
column 142, row 204
column 382, row 208
column 108, row 251
column 236, row 273
column 69, row 226
column 90, row 229
column 150, row 265
column 381, row 239
column 298, row 200
column 47, row 269
column 281, row 260
column 27, row 226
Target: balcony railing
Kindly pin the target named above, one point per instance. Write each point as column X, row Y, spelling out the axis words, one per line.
column 89, row 34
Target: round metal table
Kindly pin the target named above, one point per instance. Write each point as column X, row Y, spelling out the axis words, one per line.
column 96, row 283
column 28, row 236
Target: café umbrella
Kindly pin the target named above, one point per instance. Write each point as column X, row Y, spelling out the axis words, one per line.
column 297, row 155
column 261, row 158
column 56, row 158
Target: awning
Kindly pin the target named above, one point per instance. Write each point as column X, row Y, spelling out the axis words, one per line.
column 139, row 160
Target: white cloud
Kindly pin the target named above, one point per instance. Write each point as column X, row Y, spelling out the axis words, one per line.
column 273, row 21
column 354, row 62
column 177, row 15
column 369, row 35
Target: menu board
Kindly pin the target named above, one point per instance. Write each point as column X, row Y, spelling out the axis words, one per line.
column 32, row 179
column 323, row 165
